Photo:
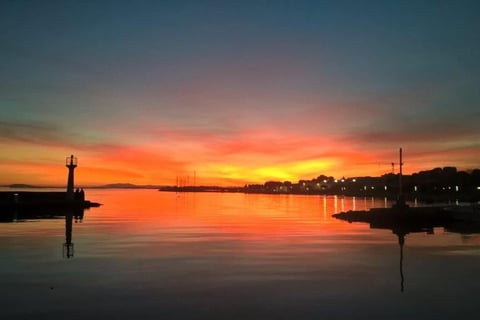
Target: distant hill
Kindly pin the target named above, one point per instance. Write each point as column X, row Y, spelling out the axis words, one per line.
column 106, row 186
column 127, row 186
column 21, row 186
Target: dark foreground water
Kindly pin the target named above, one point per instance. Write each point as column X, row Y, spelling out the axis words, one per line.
column 151, row 255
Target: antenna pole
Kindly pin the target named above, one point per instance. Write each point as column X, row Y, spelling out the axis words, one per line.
column 401, row 199
column 400, row 176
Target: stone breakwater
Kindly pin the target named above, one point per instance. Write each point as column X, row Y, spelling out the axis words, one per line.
column 22, row 201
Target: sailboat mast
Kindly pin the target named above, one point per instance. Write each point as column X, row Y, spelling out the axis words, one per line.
column 400, row 176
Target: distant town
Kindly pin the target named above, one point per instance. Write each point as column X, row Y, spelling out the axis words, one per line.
column 438, row 184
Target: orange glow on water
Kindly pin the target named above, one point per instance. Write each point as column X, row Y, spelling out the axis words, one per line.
column 243, row 216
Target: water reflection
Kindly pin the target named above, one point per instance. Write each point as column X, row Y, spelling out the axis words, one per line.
column 402, row 231
column 70, row 215
column 68, row 246
column 230, row 256
column 401, row 242
column 402, row 227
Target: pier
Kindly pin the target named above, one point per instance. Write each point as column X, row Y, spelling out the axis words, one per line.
column 31, row 204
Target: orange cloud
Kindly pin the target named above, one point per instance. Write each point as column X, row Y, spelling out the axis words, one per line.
column 226, row 156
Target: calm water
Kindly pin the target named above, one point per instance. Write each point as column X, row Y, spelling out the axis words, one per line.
column 151, row 255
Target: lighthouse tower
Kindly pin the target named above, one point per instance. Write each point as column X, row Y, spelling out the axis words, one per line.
column 71, row 164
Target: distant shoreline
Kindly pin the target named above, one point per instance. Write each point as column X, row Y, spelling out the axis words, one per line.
column 439, row 184
column 391, row 196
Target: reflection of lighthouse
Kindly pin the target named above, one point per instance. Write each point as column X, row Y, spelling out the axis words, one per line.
column 77, row 214
column 68, row 245
column 71, row 164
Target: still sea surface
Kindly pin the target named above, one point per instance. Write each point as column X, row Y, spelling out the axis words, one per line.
column 146, row 254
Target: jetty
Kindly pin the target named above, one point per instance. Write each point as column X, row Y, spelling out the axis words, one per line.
column 413, row 219
column 29, row 204
column 390, row 218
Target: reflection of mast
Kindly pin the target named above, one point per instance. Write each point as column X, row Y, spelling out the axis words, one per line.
column 68, row 245
column 401, row 242
column 401, row 232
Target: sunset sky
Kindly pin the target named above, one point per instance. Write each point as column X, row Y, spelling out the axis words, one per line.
column 236, row 91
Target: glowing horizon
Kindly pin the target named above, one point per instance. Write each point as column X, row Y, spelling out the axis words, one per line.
column 144, row 169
